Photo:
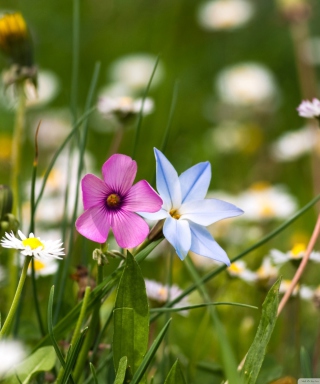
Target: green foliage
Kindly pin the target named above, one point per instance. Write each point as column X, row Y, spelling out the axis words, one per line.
column 121, row 372
column 306, row 366
column 175, row 375
column 257, row 350
column 43, row 359
column 131, row 317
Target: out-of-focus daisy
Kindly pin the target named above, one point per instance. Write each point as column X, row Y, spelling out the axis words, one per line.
column 296, row 253
column 246, row 84
column 43, row 267
column 303, row 291
column 33, row 246
column 309, row 109
column 284, row 286
column 239, row 269
column 47, row 88
column 11, row 353
column 224, row 14
column 135, row 71
column 267, row 273
column 163, row 293
column 231, row 137
column 263, row 201
column 124, row 107
column 293, row 144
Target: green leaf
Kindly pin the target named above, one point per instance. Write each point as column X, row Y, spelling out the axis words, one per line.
column 131, row 317
column 164, row 309
column 41, row 360
column 306, row 367
column 175, row 375
column 94, row 374
column 121, row 373
column 149, row 355
column 257, row 350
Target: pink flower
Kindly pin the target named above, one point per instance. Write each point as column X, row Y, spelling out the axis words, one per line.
column 309, row 109
column 112, row 203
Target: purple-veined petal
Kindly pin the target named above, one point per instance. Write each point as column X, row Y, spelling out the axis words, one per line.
column 162, row 214
column 94, row 224
column 178, row 233
column 195, row 182
column 208, row 211
column 94, row 191
column 168, row 184
column 142, row 197
column 203, row 244
column 119, row 172
column 129, row 229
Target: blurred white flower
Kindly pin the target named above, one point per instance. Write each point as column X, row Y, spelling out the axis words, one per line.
column 247, row 84
column 47, row 89
column 134, row 71
column 231, row 136
column 239, row 269
column 263, row 201
column 11, row 353
column 224, row 14
column 124, row 106
column 162, row 293
column 43, row 267
column 267, row 272
column 304, row 292
column 309, row 109
column 311, row 50
column 54, row 128
column 284, row 286
column 296, row 253
column 293, row 144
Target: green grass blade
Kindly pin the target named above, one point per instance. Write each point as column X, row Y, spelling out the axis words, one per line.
column 94, row 373
column 149, row 355
column 175, row 375
column 121, row 372
column 138, row 128
column 164, row 309
column 256, row 353
column 306, row 366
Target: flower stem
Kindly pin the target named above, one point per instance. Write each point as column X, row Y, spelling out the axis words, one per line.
column 7, row 324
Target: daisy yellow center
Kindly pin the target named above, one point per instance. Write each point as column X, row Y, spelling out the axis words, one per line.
column 267, row 210
column 163, row 294
column 234, row 268
column 175, row 214
column 297, row 250
column 38, row 265
column 33, row 243
column 113, row 200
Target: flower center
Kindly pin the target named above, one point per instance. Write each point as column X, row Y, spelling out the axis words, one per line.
column 113, row 200
column 33, row 243
column 297, row 251
column 38, row 265
column 175, row 214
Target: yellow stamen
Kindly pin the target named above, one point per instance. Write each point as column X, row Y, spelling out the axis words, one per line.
column 33, row 243
column 260, row 186
column 175, row 214
column 234, row 268
column 267, row 210
column 163, row 293
column 297, row 251
column 113, row 200
column 38, row 265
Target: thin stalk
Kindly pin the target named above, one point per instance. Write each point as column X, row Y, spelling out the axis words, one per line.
column 15, row 176
column 94, row 325
column 77, row 330
column 75, row 59
column 7, row 324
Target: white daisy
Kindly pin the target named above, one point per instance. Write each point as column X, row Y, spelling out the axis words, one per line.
column 124, row 106
column 11, row 353
column 162, row 293
column 239, row 269
column 296, row 253
column 33, row 246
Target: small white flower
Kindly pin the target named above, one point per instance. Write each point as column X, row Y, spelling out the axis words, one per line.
column 43, row 267
column 284, row 286
column 11, row 353
column 294, row 144
column 33, row 246
column 264, row 202
column 296, row 253
column 267, row 271
column 239, row 269
column 309, row 109
column 247, row 84
column 134, row 71
column 124, row 106
column 162, row 293
column 224, row 14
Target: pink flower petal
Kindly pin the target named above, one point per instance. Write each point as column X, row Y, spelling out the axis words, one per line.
column 94, row 191
column 129, row 229
column 94, row 224
column 119, row 172
column 142, row 197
